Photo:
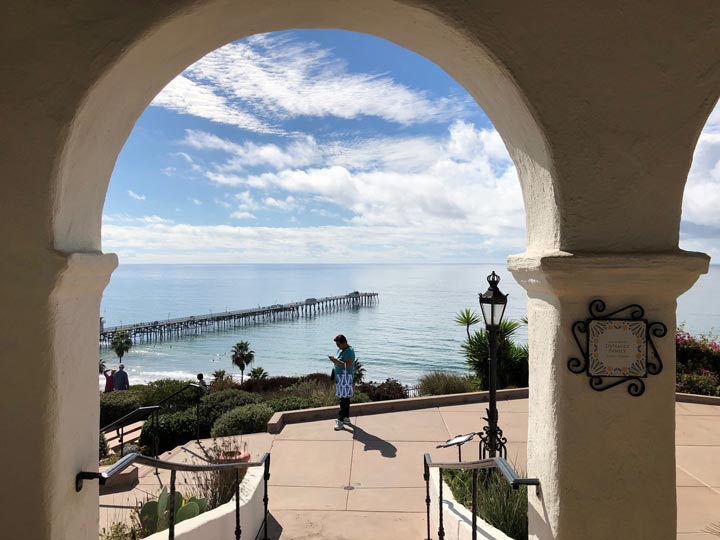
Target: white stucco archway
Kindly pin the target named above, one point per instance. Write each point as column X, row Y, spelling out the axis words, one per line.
column 575, row 93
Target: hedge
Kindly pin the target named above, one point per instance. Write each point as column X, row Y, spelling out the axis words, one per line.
column 115, row 405
column 174, row 429
column 246, row 419
column 215, row 404
column 154, row 392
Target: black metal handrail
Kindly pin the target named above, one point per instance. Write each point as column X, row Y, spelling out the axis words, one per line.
column 507, row 470
column 189, row 385
column 143, row 412
column 130, row 459
column 129, row 418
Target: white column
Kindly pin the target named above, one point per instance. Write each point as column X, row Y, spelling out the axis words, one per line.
column 49, row 400
column 605, row 460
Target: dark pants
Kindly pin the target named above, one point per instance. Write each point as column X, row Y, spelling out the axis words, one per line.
column 344, row 408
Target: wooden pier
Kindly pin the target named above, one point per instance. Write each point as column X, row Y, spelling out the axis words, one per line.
column 155, row 331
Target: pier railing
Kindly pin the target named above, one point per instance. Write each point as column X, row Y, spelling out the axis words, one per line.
column 162, row 330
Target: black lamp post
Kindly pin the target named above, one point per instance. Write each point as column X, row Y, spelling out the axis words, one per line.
column 492, row 304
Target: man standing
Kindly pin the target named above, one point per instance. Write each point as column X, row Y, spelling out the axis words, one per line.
column 121, row 378
column 344, row 368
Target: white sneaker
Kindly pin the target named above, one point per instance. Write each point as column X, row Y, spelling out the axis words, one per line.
column 346, row 421
column 338, row 425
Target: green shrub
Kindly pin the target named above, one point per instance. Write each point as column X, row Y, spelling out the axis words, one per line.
column 130, row 448
column 246, row 419
column 115, row 405
column 174, row 429
column 390, row 389
column 156, row 391
column 497, row 502
column 120, row 531
column 215, row 404
column 359, row 397
column 293, row 403
column 438, row 383
column 320, row 378
column 705, row 383
column 696, row 353
column 104, row 450
column 271, row 384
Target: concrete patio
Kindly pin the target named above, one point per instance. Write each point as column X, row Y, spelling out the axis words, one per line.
column 366, row 481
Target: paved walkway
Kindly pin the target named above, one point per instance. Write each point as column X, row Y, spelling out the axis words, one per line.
column 366, row 482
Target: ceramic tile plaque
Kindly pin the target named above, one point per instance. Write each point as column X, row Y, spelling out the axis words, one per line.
column 617, row 348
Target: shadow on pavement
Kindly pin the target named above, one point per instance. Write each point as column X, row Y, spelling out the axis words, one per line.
column 274, row 529
column 372, row 442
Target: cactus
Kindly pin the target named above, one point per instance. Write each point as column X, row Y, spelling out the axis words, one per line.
column 154, row 515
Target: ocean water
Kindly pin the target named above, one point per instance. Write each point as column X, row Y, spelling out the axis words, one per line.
column 410, row 330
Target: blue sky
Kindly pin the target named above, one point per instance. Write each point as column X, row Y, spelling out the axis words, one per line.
column 331, row 146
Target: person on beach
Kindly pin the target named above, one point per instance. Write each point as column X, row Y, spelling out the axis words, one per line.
column 120, row 379
column 344, row 366
column 109, row 381
column 201, row 382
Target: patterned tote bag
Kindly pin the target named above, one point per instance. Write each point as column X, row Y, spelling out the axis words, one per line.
column 343, row 382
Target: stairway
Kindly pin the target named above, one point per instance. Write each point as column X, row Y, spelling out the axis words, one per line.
column 131, row 436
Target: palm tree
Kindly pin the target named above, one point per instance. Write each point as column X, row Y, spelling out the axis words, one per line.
column 512, row 357
column 358, row 372
column 467, row 318
column 242, row 357
column 121, row 343
column 258, row 373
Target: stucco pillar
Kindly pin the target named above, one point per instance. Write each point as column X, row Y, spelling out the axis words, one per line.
column 605, row 460
column 49, row 398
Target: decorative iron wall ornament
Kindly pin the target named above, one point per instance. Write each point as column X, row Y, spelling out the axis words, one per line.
column 616, row 350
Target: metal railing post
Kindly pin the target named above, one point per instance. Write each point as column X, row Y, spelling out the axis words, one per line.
column 266, row 477
column 238, row 529
column 441, row 530
column 474, row 503
column 426, row 475
column 121, row 438
column 171, row 508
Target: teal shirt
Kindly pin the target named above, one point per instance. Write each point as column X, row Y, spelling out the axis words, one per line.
column 348, row 354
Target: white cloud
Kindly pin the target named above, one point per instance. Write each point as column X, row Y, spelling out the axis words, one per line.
column 455, row 197
column 126, row 218
column 270, row 76
column 135, row 195
column 196, row 202
column 296, row 154
column 183, row 95
column 242, row 215
column 398, row 181
column 246, row 201
column 286, row 205
column 701, row 199
column 218, row 244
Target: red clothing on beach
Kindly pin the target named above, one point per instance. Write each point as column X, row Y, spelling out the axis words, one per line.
column 109, row 381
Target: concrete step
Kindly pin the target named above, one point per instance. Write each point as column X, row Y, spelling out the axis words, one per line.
column 131, row 435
